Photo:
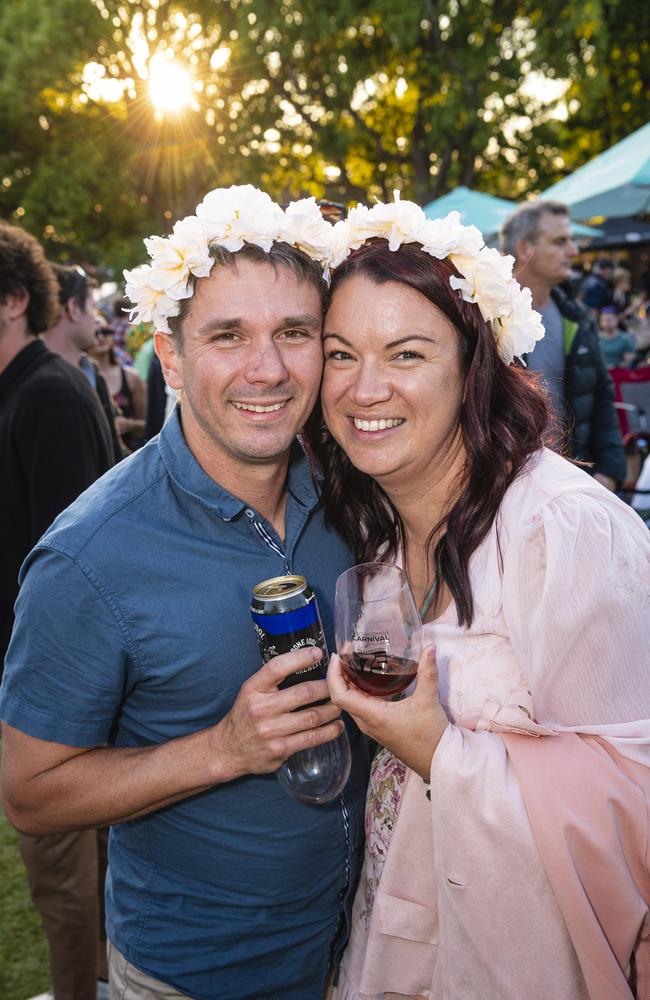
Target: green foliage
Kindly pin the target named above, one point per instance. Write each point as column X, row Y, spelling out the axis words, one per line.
column 347, row 99
column 24, row 969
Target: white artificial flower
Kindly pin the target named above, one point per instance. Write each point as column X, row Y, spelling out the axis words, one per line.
column 304, row 227
column 175, row 258
column 398, row 222
column 485, row 280
column 240, row 214
column 151, row 305
column 441, row 237
column 341, row 241
column 523, row 326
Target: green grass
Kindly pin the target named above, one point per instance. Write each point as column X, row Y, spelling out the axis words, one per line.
column 24, row 968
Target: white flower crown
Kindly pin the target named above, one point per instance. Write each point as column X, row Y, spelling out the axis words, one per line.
column 486, row 276
column 231, row 217
column 227, row 217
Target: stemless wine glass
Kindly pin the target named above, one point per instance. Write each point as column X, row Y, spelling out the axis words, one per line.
column 378, row 629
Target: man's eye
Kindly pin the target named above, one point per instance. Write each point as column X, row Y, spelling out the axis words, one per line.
column 295, row 334
column 227, row 337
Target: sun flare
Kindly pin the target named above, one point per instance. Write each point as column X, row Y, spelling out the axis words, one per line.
column 170, row 85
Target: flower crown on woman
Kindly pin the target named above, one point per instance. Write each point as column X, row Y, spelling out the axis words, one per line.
column 231, row 217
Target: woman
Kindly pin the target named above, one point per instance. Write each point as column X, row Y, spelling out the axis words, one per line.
column 507, row 812
column 127, row 390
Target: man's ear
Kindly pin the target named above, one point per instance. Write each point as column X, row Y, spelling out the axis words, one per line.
column 170, row 360
column 524, row 250
column 16, row 304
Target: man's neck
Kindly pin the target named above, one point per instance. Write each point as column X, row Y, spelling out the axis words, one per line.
column 261, row 485
column 11, row 344
column 59, row 341
column 540, row 290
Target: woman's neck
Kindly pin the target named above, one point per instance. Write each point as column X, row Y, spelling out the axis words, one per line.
column 102, row 361
column 422, row 504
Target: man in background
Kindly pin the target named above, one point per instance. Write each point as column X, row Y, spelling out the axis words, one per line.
column 73, row 334
column 597, row 289
column 54, row 442
column 568, row 357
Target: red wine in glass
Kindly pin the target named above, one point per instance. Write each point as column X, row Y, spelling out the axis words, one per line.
column 377, row 627
column 378, row 674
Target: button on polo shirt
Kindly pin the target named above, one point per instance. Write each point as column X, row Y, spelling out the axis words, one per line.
column 141, row 591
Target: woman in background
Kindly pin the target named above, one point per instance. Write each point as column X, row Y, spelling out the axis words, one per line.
column 128, row 392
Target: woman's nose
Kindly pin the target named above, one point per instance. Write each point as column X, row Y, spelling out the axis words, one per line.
column 370, row 386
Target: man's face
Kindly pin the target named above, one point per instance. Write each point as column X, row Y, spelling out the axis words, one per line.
column 84, row 322
column 250, row 365
column 548, row 259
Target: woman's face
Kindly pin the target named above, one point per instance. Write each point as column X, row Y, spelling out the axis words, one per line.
column 103, row 343
column 393, row 382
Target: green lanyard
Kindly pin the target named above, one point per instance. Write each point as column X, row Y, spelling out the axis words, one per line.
column 428, row 601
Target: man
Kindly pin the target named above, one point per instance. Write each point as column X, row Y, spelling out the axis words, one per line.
column 73, row 334
column 569, row 357
column 54, row 442
column 597, row 290
column 220, row 885
column 618, row 347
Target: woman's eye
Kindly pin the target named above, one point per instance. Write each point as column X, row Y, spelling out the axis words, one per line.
column 337, row 356
column 408, row 356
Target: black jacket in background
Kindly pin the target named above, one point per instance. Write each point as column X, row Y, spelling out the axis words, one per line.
column 589, row 393
column 54, row 442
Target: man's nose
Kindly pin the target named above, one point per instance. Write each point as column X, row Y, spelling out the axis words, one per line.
column 266, row 365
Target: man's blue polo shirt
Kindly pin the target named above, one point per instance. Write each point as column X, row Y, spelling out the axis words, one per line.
column 133, row 627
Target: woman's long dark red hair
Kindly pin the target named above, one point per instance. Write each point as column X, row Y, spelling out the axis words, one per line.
column 503, row 419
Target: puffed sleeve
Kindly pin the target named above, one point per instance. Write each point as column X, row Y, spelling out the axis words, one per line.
column 576, row 599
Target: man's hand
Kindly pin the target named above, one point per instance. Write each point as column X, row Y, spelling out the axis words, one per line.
column 266, row 725
column 49, row 787
column 410, row 728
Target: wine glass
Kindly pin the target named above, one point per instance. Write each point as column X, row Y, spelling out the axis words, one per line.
column 378, row 629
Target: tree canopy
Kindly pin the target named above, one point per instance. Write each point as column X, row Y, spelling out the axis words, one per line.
column 347, row 99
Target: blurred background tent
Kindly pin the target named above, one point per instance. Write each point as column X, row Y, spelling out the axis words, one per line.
column 476, row 208
column 614, row 184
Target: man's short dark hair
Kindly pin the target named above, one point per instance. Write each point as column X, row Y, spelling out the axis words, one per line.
column 524, row 223
column 24, row 268
column 281, row 255
column 74, row 283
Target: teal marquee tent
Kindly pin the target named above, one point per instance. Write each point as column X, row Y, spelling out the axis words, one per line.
column 614, row 184
column 485, row 212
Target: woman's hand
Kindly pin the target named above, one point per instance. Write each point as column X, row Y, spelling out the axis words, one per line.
column 411, row 728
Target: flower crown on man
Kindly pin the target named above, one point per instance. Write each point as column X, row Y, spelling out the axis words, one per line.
column 242, row 214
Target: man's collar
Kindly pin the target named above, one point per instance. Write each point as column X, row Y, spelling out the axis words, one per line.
column 20, row 362
column 193, row 480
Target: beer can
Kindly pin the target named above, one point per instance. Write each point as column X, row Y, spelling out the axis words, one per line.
column 285, row 617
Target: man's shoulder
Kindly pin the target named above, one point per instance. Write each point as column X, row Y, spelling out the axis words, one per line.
column 573, row 310
column 124, row 494
column 54, row 380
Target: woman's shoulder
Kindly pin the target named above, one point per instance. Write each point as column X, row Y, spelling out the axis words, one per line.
column 551, row 487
